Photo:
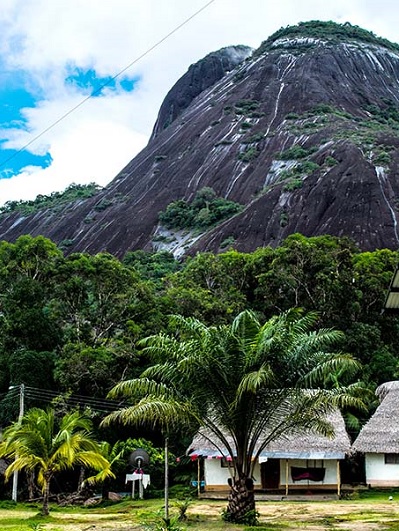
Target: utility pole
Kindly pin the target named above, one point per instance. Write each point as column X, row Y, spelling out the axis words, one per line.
column 21, row 414
column 166, row 481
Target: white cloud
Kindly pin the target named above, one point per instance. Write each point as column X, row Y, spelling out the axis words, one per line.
column 44, row 38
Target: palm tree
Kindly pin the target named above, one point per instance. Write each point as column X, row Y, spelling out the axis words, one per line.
column 38, row 444
column 245, row 385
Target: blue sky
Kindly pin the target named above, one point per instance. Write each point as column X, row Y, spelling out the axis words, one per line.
column 55, row 53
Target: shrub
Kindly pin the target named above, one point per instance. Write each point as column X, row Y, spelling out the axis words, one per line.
column 103, row 204
column 292, row 185
column 331, row 161
column 204, row 211
column 383, row 158
column 227, row 242
column 295, row 152
column 248, row 155
column 284, row 219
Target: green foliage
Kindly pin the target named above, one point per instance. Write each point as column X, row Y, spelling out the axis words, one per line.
column 245, row 106
column 295, row 152
column 227, row 242
column 293, row 184
column 159, row 523
column 249, row 154
column 387, row 112
column 325, row 30
column 103, row 204
column 331, row 161
column 245, row 125
column 73, row 323
column 153, row 266
column 203, row 212
column 251, row 518
column 284, row 218
column 296, row 173
column 256, row 137
column 382, row 158
column 74, row 192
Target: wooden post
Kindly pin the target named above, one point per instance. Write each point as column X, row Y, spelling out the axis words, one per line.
column 286, row 477
column 338, row 478
column 199, row 476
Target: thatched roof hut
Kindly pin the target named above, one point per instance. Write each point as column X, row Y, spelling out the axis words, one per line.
column 295, row 445
column 381, row 433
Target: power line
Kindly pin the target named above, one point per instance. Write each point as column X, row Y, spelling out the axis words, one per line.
column 111, row 80
column 48, row 396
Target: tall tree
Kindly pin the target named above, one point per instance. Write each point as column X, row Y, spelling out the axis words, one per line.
column 38, row 444
column 245, row 384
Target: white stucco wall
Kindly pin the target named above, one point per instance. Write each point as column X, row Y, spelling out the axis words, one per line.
column 330, row 477
column 378, row 474
column 216, row 475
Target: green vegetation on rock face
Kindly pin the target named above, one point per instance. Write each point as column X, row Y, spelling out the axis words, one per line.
column 325, row 30
column 204, row 211
column 74, row 192
column 368, row 132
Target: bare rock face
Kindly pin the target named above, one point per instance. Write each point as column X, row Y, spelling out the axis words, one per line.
column 198, row 78
column 304, row 134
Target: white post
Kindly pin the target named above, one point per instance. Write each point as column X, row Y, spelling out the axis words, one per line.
column 338, row 479
column 21, row 414
column 166, row 481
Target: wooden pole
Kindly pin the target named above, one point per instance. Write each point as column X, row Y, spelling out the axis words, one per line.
column 286, row 477
column 338, row 478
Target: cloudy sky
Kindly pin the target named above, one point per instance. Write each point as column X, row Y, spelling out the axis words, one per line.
column 99, row 69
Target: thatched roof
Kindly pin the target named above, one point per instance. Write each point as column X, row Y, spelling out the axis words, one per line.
column 298, row 445
column 381, row 433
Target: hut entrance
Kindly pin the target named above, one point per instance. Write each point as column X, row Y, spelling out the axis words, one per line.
column 270, row 474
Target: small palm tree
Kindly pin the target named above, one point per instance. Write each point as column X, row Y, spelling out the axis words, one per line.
column 38, row 443
column 245, row 384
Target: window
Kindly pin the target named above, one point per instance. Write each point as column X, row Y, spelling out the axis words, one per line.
column 391, row 459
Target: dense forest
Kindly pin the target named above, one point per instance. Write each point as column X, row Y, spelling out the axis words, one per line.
column 70, row 324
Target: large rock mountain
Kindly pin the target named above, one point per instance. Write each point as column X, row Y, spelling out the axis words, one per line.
column 303, row 133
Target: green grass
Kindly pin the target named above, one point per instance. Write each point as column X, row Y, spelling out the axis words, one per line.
column 371, row 510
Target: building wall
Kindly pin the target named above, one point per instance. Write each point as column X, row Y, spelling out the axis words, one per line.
column 216, row 476
column 330, row 477
column 378, row 474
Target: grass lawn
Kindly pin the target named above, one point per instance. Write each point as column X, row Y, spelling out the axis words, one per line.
column 370, row 512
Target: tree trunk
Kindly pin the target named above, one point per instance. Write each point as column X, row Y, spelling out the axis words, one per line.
column 46, row 496
column 30, row 479
column 241, row 500
column 82, row 474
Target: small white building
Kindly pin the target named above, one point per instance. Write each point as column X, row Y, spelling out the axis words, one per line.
column 300, row 461
column 379, row 439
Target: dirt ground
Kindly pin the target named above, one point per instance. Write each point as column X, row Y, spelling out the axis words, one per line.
column 204, row 515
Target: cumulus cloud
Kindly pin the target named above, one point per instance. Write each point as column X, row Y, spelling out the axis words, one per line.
column 42, row 41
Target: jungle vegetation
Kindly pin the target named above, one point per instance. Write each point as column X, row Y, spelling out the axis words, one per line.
column 73, row 325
